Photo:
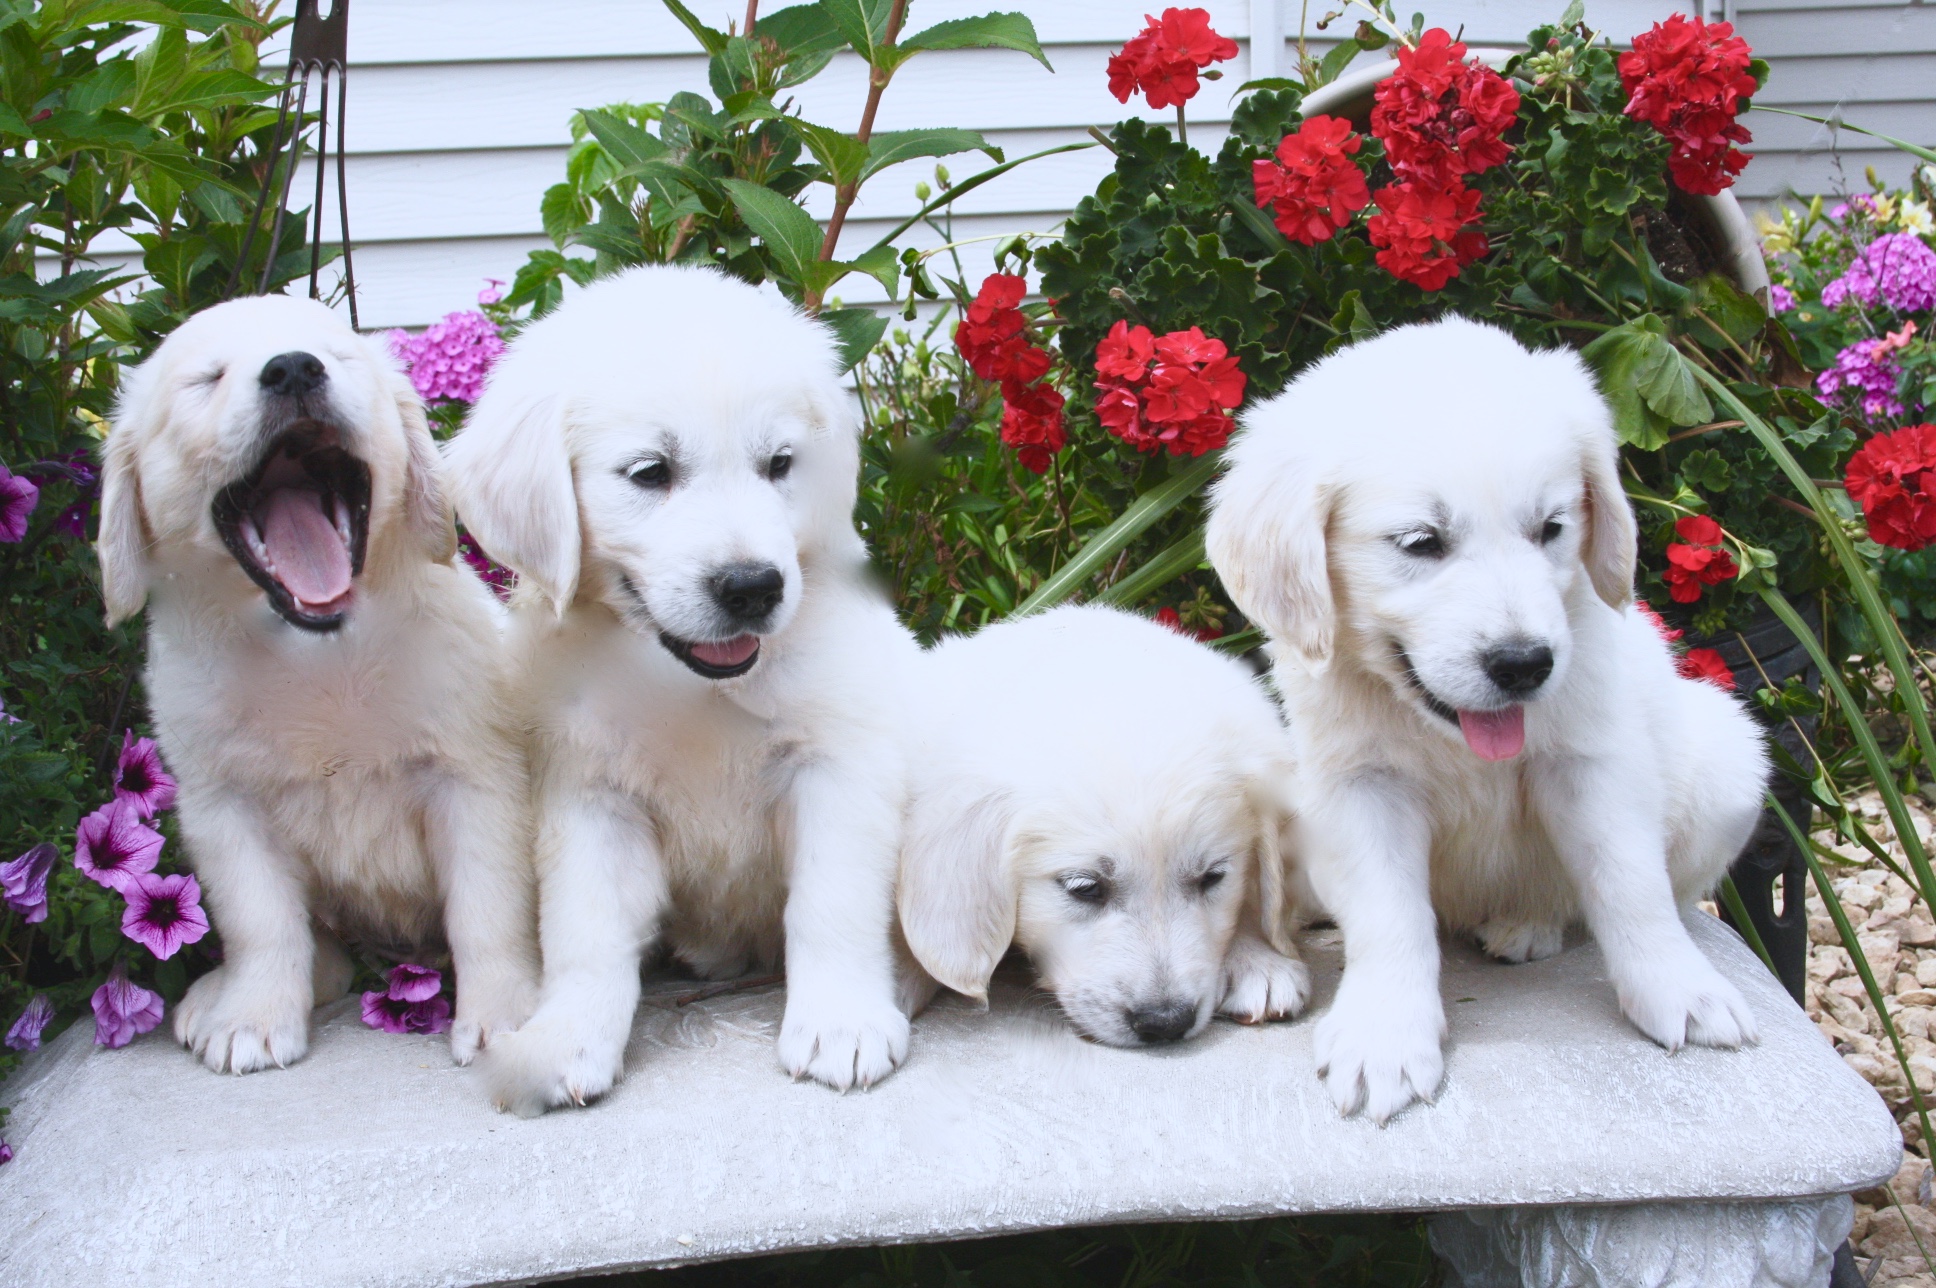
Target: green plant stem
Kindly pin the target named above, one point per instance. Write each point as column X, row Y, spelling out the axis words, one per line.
column 1173, row 561
column 1130, row 524
column 877, row 79
column 1182, row 129
column 968, row 185
column 1731, row 900
column 1867, row 594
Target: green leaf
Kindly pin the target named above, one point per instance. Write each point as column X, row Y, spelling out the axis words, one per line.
column 858, row 331
column 205, row 89
column 1269, row 82
column 563, row 212
column 1332, row 65
column 843, row 156
column 801, row 30
column 861, row 23
column 883, row 265
column 790, row 233
column 1353, row 320
column 1718, row 301
column 894, row 146
column 1648, row 383
column 989, row 31
column 628, row 144
column 1130, row 524
column 714, row 42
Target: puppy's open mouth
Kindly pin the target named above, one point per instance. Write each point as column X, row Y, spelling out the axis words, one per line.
column 715, row 659
column 298, row 524
column 1499, row 734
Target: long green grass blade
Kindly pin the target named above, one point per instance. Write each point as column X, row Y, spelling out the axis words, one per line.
column 1171, row 562
column 969, row 184
column 1731, row 899
column 1130, row 524
column 1913, row 149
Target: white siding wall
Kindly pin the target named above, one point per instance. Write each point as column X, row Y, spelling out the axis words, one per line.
column 459, row 110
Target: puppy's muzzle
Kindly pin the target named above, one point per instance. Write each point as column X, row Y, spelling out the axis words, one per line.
column 1169, row 1020
column 293, row 375
column 1518, row 668
column 747, row 593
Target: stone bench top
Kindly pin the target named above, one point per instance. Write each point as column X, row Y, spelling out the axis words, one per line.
column 376, row 1161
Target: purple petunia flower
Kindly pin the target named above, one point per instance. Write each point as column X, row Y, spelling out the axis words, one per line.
column 123, row 1010
column 23, row 882
column 449, row 361
column 6, row 1152
column 1780, row 298
column 112, row 844
column 8, row 719
column 1896, row 268
column 411, row 1004
column 1869, row 377
column 18, row 497
column 26, row 1031
column 139, row 778
column 164, row 912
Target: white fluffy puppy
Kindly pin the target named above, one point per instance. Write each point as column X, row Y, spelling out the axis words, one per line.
column 670, row 461
column 328, row 680
column 1431, row 527
column 1108, row 795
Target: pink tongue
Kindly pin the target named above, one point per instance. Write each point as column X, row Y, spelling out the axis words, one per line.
column 311, row 560
column 1494, row 735
column 727, row 652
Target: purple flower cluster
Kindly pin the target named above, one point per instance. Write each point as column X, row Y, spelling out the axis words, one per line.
column 1897, row 269
column 76, row 468
column 18, row 497
column 449, row 361
column 489, row 571
column 1780, row 298
column 412, row 1004
column 1863, row 373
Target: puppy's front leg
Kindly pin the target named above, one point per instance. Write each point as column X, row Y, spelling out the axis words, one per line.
column 842, row 1025
column 1378, row 1046
column 252, row 1011
column 1612, row 846
column 480, row 841
column 601, row 893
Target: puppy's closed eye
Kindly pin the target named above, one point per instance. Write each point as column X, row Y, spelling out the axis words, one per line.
column 1210, row 880
column 650, row 472
column 1085, row 887
column 1421, row 543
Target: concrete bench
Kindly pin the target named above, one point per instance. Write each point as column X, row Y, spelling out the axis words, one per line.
column 1562, row 1143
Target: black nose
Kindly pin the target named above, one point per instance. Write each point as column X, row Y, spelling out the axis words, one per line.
column 1519, row 668
column 749, row 592
column 293, row 374
column 1164, row 1022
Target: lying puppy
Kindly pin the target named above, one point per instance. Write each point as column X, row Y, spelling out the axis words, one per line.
column 669, row 463
column 327, row 679
column 1106, row 794
column 1431, row 527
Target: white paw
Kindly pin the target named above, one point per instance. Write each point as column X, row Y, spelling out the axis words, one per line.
column 239, row 1025
column 840, row 1040
column 557, row 1058
column 486, row 1012
column 1689, row 1001
column 1521, row 941
column 1260, row 983
column 1378, row 1058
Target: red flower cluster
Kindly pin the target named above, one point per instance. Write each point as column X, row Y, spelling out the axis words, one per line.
column 1890, row 479
column 1163, row 61
column 1440, row 119
column 1174, row 620
column 1697, row 663
column 992, row 340
column 1696, row 560
column 1173, row 391
column 1313, row 187
column 1689, row 79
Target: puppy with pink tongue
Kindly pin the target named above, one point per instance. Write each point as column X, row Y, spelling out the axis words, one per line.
column 1491, row 735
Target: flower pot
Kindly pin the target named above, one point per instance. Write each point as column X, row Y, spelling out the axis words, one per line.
column 1720, row 220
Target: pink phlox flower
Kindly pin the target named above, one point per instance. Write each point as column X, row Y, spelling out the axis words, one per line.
column 164, row 912
column 26, row 1031
column 18, row 497
column 112, row 844
column 1870, row 380
column 1780, row 298
column 140, row 779
column 411, row 1004
column 23, row 881
column 493, row 291
column 449, row 360
column 1897, row 269
column 123, row 1010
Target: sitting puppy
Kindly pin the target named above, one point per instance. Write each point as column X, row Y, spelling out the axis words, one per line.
column 327, row 679
column 1431, row 527
column 669, row 463
column 1105, row 793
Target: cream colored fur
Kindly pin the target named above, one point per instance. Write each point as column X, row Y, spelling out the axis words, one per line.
column 367, row 781
column 1635, row 787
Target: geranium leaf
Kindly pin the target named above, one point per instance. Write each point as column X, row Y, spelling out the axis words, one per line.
column 790, row 233
column 893, row 146
column 1671, row 389
column 1627, row 358
column 989, row 31
column 714, row 42
column 857, row 331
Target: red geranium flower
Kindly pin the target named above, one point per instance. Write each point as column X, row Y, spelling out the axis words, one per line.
column 1172, row 391
column 1162, row 61
column 1032, row 423
column 1659, row 623
column 1706, row 664
column 1889, row 478
column 1700, row 529
column 1440, row 117
column 1125, row 353
column 1697, row 560
column 1689, row 79
column 1313, row 187
column 990, row 335
column 1426, row 235
column 1167, row 616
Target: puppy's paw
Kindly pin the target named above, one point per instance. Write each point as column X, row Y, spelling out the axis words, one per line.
column 841, row 1041
column 238, row 1025
column 1377, row 1060
column 553, row 1061
column 1260, row 983
column 1521, row 941
column 1689, row 1002
column 485, row 1012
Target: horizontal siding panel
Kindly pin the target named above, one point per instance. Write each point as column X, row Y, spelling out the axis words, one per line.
column 1880, row 78
column 1743, row 9
column 1790, row 176
column 1898, row 29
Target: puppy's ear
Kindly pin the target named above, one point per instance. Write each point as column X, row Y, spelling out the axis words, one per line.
column 123, row 544
column 1266, row 539
column 426, row 511
column 957, row 890
column 509, row 470
column 1611, row 538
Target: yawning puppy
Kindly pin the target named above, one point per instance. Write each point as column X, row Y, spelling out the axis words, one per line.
column 669, row 462
column 327, row 679
column 1109, row 796
column 1431, row 527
